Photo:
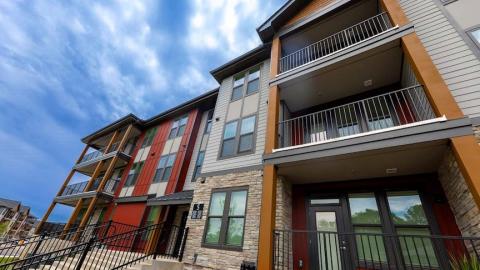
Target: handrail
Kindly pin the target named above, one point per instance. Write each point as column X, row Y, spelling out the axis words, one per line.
column 392, row 109
column 347, row 37
column 370, row 250
column 79, row 187
column 110, row 251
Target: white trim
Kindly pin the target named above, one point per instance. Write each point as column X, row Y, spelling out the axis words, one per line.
column 420, row 123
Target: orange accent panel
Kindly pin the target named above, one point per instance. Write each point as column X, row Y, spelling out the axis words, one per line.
column 467, row 154
column 129, row 213
column 395, row 12
column 437, row 91
column 267, row 218
column 309, row 9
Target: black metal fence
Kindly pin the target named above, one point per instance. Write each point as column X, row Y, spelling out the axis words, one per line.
column 296, row 249
column 50, row 241
column 109, row 250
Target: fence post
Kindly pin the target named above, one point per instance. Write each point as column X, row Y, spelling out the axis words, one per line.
column 37, row 246
column 182, row 247
column 84, row 253
column 107, row 228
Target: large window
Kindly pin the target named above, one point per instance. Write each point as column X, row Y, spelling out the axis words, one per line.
column 149, row 136
column 133, row 174
column 226, row 218
column 178, row 127
column 238, row 138
column 164, row 168
column 198, row 165
column 250, row 78
column 408, row 216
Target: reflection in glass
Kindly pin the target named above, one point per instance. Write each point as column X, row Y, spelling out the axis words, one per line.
column 363, row 208
column 237, row 203
column 235, row 231
column 327, row 241
column 370, row 245
column 217, row 204
column 213, row 230
column 417, row 251
column 406, row 208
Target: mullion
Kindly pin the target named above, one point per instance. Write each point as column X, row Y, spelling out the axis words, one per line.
column 224, row 225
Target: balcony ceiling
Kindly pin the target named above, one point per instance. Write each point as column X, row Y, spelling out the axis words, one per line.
column 381, row 65
column 407, row 160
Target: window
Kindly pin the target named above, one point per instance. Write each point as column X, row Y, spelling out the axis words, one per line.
column 253, row 81
column 408, row 217
column 208, row 126
column 164, row 168
column 149, row 136
column 178, row 127
column 246, row 134
column 347, row 123
column 133, row 174
column 237, row 92
column 475, row 35
column 229, row 134
column 226, row 218
column 365, row 218
column 378, row 114
column 198, row 165
column 251, row 78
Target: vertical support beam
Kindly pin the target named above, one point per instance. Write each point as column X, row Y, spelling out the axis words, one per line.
column 106, row 176
column 467, row 154
column 60, row 191
column 267, row 211
column 425, row 70
column 89, row 185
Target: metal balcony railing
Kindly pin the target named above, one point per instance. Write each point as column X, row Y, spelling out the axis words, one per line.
column 397, row 108
column 330, row 250
column 98, row 153
column 348, row 37
column 80, row 187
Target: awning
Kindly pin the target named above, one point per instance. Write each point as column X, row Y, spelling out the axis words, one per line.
column 182, row 197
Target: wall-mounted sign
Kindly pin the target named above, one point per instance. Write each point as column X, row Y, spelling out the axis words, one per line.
column 197, row 211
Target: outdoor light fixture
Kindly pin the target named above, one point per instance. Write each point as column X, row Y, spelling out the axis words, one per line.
column 367, row 83
column 391, row 170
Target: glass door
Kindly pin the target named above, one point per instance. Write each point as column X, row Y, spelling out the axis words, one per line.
column 327, row 246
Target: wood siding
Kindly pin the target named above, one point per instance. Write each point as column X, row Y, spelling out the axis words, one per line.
column 455, row 61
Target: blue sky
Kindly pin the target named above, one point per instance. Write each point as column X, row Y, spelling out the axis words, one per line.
column 68, row 68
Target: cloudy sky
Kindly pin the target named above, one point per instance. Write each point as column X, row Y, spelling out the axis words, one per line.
column 68, row 68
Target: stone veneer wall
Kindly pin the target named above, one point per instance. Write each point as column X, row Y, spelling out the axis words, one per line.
column 283, row 215
column 464, row 208
column 476, row 132
column 209, row 258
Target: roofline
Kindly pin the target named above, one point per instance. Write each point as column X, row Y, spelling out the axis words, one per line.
column 258, row 52
column 133, row 119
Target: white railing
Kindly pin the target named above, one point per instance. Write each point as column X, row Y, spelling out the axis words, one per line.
column 336, row 42
column 397, row 108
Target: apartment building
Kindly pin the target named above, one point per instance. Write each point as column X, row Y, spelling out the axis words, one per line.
column 347, row 139
column 15, row 219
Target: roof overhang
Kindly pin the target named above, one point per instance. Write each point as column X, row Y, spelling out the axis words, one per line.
column 177, row 198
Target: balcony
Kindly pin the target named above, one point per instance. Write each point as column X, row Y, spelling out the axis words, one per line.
column 334, row 250
column 341, row 40
column 88, row 162
column 73, row 192
column 392, row 110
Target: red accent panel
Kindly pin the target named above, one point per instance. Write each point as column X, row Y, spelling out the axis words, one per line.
column 184, row 154
column 299, row 222
column 149, row 167
column 129, row 213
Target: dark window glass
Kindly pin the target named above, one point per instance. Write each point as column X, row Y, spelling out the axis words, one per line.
column 149, row 136
column 253, row 81
column 226, row 218
column 160, row 169
column 208, row 126
column 246, row 134
column 228, row 148
column 168, row 167
column 198, row 165
column 178, row 127
column 237, row 93
column 133, row 174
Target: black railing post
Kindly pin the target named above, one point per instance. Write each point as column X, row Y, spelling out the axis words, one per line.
column 39, row 243
column 85, row 252
column 182, row 247
column 107, row 228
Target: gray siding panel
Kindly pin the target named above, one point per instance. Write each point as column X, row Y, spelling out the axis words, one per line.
column 455, row 61
column 212, row 163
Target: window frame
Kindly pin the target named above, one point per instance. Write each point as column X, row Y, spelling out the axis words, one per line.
column 137, row 167
column 470, row 31
column 163, row 169
column 225, row 218
column 237, row 138
column 198, row 167
column 174, row 130
column 244, row 87
column 209, row 122
column 149, row 137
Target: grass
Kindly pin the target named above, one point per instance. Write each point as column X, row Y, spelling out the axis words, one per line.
column 5, row 260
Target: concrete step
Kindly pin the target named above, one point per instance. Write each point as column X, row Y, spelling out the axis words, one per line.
column 158, row 264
